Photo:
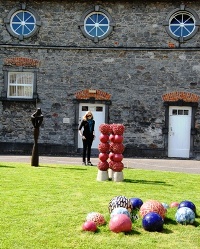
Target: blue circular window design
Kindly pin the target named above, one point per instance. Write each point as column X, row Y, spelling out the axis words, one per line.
column 23, row 23
column 182, row 24
column 96, row 24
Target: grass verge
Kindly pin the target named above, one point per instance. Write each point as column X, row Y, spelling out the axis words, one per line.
column 45, row 207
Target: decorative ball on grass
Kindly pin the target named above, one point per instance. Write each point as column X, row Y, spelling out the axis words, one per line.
column 136, row 203
column 120, row 223
column 103, row 166
column 152, row 206
column 188, row 204
column 152, row 222
column 97, row 218
column 119, row 201
column 89, row 226
column 120, row 210
column 185, row 215
column 165, row 205
column 174, row 204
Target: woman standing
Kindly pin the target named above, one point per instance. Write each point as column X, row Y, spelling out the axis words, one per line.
column 87, row 135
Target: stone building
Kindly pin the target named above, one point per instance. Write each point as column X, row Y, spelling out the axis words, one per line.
column 131, row 62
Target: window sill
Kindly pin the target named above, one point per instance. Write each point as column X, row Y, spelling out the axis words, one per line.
column 19, row 99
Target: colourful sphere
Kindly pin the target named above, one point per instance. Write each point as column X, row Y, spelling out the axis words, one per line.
column 188, row 204
column 136, row 203
column 152, row 206
column 89, row 226
column 120, row 210
column 119, row 201
column 152, row 222
column 96, row 217
column 185, row 215
column 174, row 204
column 120, row 223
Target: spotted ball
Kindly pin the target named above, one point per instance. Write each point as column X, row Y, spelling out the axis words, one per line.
column 96, row 217
column 119, row 201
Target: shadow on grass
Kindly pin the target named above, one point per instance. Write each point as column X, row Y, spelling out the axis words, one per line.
column 170, row 221
column 132, row 232
column 5, row 166
column 68, row 168
column 167, row 231
column 146, row 182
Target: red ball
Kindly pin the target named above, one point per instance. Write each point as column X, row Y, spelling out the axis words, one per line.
column 105, row 128
column 116, row 166
column 104, row 147
column 112, row 138
column 118, row 129
column 117, row 157
column 103, row 166
column 103, row 138
column 120, row 223
column 103, row 156
column 89, row 226
column 118, row 139
column 174, row 204
column 111, row 156
column 117, row 148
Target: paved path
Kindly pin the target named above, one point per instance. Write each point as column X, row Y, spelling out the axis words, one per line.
column 186, row 166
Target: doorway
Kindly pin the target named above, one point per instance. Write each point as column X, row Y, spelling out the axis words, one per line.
column 179, row 135
column 98, row 111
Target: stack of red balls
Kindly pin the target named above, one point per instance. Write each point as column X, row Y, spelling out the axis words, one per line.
column 104, row 147
column 116, row 147
column 111, row 146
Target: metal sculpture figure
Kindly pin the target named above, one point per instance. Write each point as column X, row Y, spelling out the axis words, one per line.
column 36, row 119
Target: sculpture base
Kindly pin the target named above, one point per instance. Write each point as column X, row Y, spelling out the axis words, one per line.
column 102, row 175
column 110, row 174
column 118, row 176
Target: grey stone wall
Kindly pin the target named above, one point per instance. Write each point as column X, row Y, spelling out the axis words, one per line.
column 134, row 65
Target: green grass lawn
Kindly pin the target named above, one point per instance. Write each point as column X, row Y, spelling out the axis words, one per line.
column 45, row 207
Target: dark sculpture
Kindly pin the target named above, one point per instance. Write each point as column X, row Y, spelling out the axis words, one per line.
column 36, row 119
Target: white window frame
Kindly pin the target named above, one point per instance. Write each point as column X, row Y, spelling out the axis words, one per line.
column 96, row 10
column 16, row 10
column 19, row 83
column 6, row 94
column 178, row 11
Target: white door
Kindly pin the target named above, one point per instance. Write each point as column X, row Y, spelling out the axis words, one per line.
column 98, row 111
column 179, row 131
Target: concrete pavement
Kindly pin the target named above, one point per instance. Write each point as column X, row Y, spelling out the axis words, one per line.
column 174, row 165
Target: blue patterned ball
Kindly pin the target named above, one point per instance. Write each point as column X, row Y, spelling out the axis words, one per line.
column 120, row 210
column 185, row 215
